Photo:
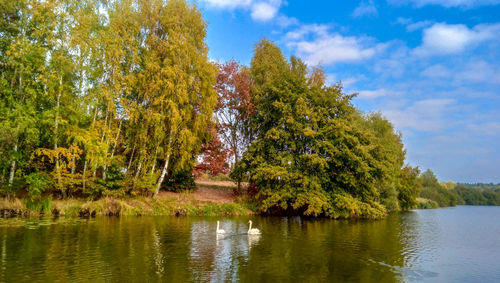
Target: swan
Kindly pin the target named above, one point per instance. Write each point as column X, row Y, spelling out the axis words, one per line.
column 253, row 231
column 220, row 231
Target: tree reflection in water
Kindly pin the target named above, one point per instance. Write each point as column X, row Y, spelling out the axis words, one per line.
column 177, row 249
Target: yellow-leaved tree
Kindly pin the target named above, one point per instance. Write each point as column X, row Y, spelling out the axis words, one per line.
column 175, row 96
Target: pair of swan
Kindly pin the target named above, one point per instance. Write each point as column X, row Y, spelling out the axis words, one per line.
column 251, row 231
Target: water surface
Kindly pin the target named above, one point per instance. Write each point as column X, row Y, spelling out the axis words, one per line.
column 460, row 244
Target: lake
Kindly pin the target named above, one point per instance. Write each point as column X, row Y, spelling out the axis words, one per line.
column 460, row 244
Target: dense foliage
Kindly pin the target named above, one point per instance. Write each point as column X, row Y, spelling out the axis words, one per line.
column 431, row 189
column 101, row 97
column 312, row 152
column 478, row 195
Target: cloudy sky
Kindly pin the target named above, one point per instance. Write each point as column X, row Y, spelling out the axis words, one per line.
column 432, row 67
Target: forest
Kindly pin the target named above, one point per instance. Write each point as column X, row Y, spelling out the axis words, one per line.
column 119, row 99
column 434, row 194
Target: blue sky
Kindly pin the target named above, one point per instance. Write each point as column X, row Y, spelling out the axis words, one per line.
column 432, row 67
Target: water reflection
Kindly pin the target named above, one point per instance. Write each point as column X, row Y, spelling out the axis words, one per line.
column 219, row 262
column 253, row 240
column 414, row 246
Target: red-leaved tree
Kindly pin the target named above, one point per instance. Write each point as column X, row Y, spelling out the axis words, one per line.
column 234, row 108
column 214, row 156
column 231, row 114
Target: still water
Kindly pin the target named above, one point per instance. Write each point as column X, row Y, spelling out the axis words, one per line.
column 460, row 244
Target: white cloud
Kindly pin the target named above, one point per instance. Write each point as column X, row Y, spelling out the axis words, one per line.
column 284, row 21
column 485, row 129
column 304, row 30
column 479, row 71
column 365, row 9
column 473, row 71
column 395, row 62
column 347, row 82
column 316, row 45
column 263, row 11
column 350, row 82
column 430, row 115
column 390, row 67
column 259, row 10
column 331, row 49
column 228, row 4
column 418, row 25
column 447, row 3
column 372, row 94
column 436, row 71
column 413, row 26
column 442, row 39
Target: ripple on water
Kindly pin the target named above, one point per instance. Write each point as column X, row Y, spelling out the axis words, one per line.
column 443, row 245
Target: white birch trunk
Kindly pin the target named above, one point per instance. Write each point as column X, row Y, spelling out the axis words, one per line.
column 12, row 171
column 113, row 150
column 131, row 159
column 162, row 176
column 154, row 161
column 84, row 173
column 56, row 127
column 137, row 173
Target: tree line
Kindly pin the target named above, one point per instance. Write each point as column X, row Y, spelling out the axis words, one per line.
column 101, row 95
column 434, row 194
column 119, row 98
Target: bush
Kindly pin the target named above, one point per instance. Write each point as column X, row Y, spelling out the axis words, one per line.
column 423, row 203
column 181, row 181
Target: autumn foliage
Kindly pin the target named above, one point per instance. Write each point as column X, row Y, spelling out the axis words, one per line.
column 214, row 156
column 231, row 117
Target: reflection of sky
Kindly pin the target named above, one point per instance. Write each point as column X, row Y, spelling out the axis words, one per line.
column 444, row 245
column 215, row 257
column 452, row 244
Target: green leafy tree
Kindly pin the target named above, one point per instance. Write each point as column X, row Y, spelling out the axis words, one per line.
column 432, row 190
column 311, row 152
column 175, row 88
column 409, row 187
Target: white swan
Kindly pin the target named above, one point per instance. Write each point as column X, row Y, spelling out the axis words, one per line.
column 220, row 231
column 253, row 231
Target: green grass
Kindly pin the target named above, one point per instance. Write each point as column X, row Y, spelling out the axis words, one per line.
column 218, row 177
column 137, row 206
column 216, row 187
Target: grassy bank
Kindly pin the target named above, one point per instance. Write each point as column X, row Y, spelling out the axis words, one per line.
column 184, row 205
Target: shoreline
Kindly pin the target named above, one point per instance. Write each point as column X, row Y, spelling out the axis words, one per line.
column 209, row 199
column 166, row 204
column 185, row 205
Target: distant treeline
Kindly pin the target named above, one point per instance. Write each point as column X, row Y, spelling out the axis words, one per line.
column 434, row 194
column 490, row 186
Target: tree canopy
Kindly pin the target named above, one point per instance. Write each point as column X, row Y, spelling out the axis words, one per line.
column 312, row 152
column 102, row 97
